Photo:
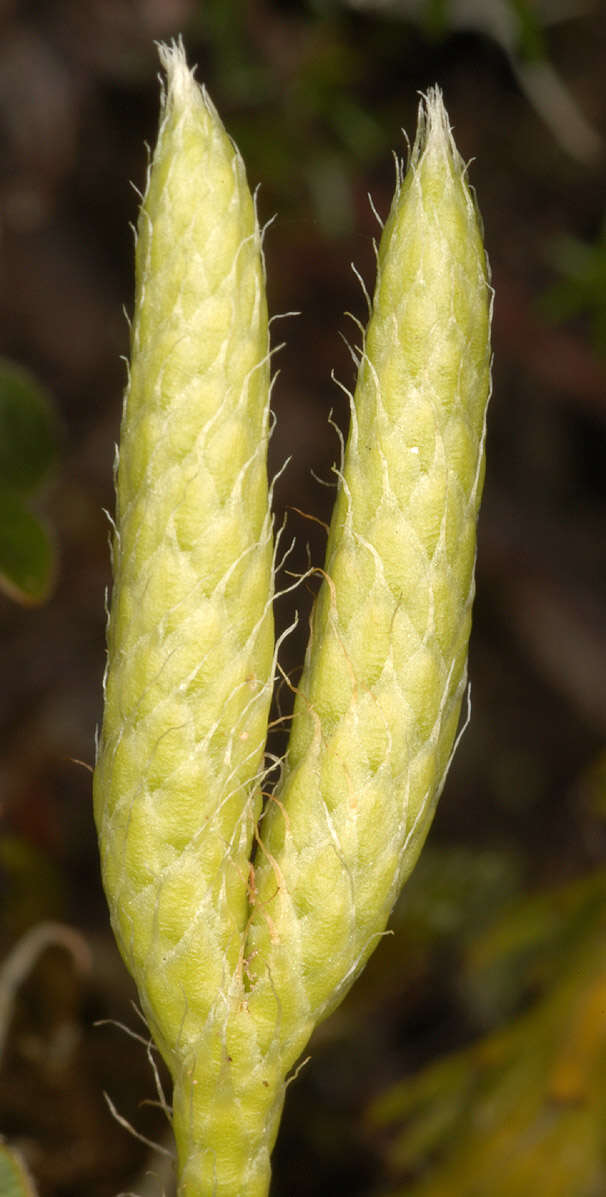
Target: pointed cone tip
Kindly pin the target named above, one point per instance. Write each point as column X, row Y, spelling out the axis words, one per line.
column 433, row 128
column 182, row 86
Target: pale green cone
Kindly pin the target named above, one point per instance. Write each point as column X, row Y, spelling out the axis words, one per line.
column 235, row 964
column 190, row 634
column 379, row 701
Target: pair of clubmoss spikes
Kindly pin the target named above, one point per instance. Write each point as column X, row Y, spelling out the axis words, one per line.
column 235, row 964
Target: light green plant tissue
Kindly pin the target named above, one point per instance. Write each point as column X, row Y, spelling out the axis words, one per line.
column 190, row 633
column 379, row 700
column 239, row 950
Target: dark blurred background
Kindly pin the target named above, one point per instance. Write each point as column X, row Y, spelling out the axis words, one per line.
column 472, row 1053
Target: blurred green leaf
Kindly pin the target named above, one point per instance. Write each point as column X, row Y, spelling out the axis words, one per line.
column 15, row 1180
column 529, row 948
column 27, row 558
column 28, row 449
column 437, row 17
column 456, row 891
column 531, row 39
column 33, row 886
column 582, row 286
column 524, row 1107
column 235, row 63
column 28, row 430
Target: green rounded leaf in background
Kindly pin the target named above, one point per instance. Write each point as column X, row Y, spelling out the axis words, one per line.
column 26, row 553
column 28, row 431
column 15, row 1180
